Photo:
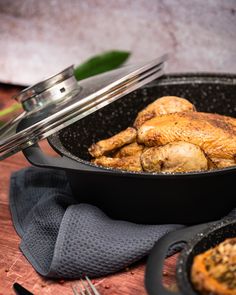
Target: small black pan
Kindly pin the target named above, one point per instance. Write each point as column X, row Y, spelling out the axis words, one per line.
column 198, row 239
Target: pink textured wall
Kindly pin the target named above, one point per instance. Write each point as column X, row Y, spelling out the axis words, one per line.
column 39, row 38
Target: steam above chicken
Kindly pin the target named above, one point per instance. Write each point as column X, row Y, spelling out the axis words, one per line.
column 169, row 135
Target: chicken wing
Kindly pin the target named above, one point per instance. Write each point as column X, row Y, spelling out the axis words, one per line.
column 214, row 134
column 129, row 163
column 129, row 150
column 106, row 146
column 162, row 106
column 177, row 156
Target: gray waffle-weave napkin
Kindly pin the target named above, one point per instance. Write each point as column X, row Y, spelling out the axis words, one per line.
column 63, row 238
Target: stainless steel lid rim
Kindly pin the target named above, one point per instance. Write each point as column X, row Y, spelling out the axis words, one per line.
column 56, row 103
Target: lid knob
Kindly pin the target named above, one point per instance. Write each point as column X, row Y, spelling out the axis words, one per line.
column 48, row 91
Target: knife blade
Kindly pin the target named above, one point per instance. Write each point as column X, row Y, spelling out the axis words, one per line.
column 20, row 290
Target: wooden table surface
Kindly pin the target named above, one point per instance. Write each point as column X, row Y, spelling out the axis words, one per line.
column 15, row 268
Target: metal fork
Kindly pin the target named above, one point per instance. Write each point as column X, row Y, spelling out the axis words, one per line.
column 85, row 288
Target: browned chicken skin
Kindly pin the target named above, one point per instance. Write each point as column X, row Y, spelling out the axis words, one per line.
column 162, row 106
column 130, row 163
column 215, row 135
column 170, row 137
column 129, row 150
column 104, row 147
column 178, row 156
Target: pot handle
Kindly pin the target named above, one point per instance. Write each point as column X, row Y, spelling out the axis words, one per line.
column 36, row 157
column 155, row 263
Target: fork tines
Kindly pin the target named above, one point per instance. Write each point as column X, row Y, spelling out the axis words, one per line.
column 87, row 288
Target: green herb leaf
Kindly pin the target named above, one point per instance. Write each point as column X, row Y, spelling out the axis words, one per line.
column 101, row 63
column 12, row 108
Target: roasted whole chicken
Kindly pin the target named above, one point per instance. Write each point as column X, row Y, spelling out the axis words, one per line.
column 169, row 135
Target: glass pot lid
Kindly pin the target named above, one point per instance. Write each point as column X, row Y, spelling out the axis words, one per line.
column 60, row 100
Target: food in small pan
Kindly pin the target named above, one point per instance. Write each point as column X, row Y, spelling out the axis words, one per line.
column 214, row 271
column 169, row 135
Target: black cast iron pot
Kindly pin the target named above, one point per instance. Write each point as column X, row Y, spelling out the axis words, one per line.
column 186, row 198
column 197, row 239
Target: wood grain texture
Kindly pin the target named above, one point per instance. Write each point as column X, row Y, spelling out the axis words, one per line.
column 15, row 268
